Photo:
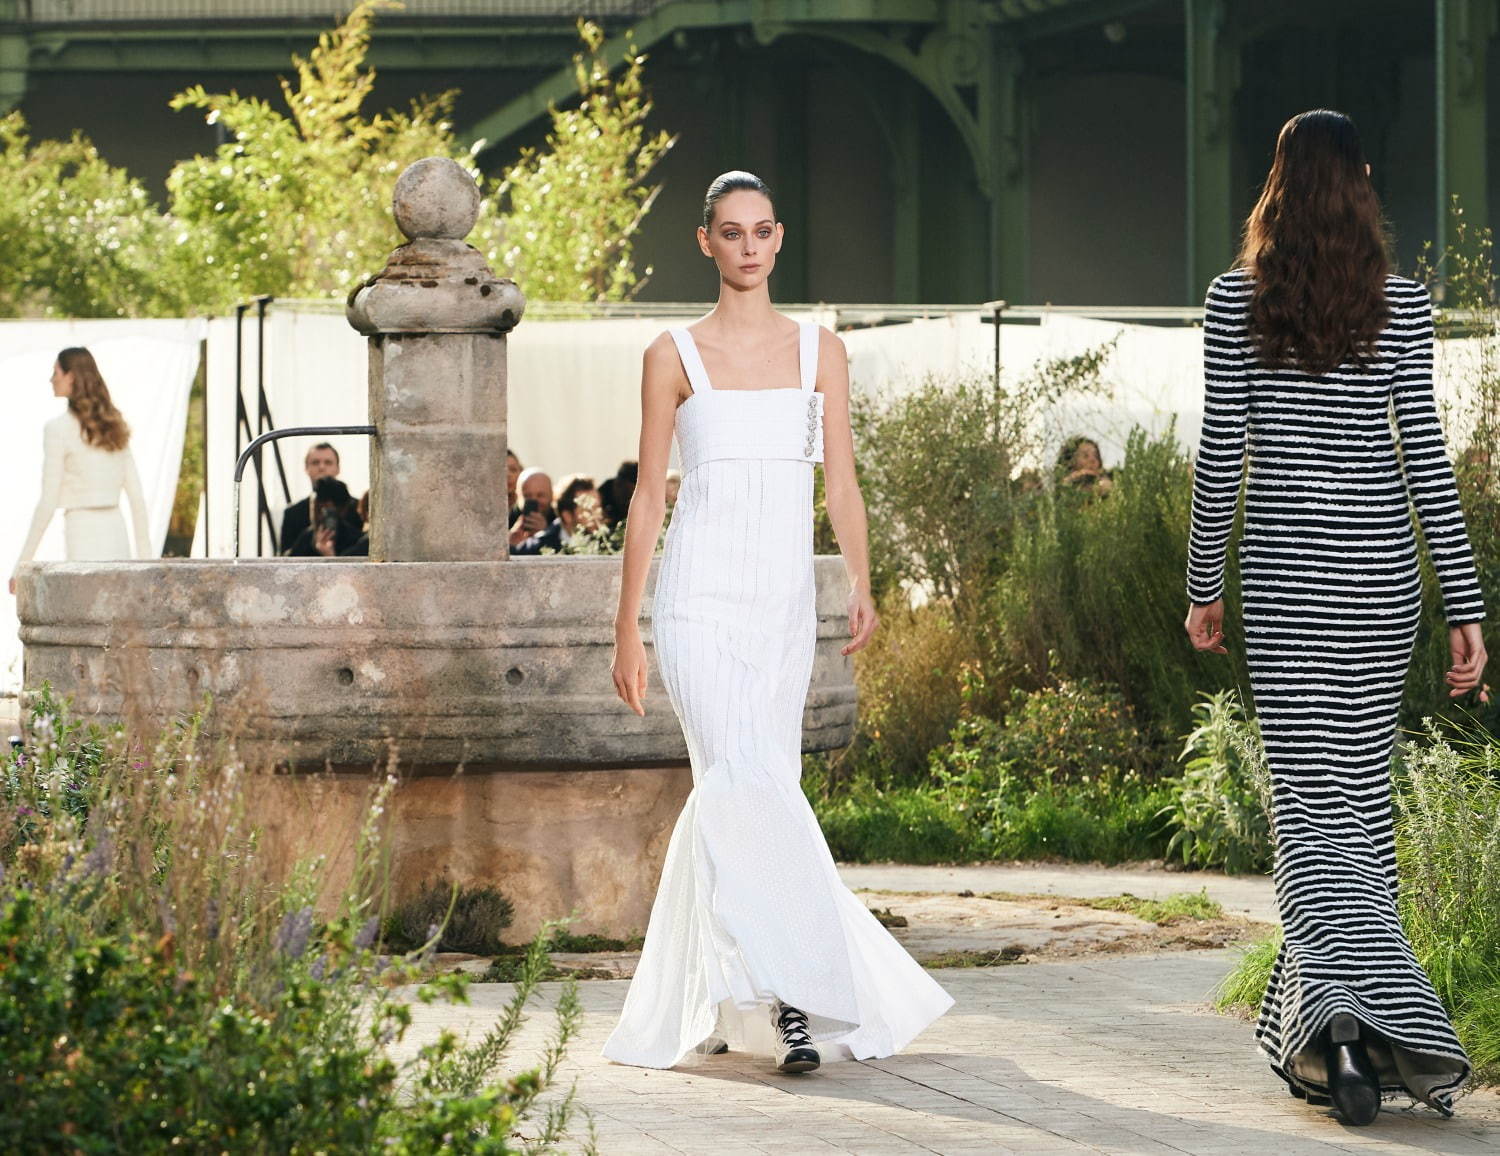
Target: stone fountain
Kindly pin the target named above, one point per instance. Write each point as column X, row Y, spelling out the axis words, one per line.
column 485, row 679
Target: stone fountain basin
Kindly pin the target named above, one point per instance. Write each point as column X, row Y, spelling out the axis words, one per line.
column 503, row 664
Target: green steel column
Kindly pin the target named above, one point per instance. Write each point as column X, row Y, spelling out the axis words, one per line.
column 789, row 99
column 1212, row 77
column 1003, row 119
column 1464, row 30
column 906, row 184
column 15, row 52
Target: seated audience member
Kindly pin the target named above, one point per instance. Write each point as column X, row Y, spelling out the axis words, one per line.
column 575, row 484
column 616, row 492
column 1079, row 464
column 674, row 487
column 536, row 510
column 577, row 512
column 335, row 524
column 513, row 470
column 322, row 461
column 361, row 546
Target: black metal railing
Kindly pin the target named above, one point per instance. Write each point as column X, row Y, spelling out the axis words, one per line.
column 273, row 436
column 165, row 11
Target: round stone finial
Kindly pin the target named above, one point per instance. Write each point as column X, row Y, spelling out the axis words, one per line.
column 435, row 198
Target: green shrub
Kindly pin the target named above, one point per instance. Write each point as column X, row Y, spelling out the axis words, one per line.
column 165, row 982
column 914, row 681
column 1220, row 810
column 937, row 465
column 870, row 824
column 468, row 919
column 1093, row 588
column 1108, row 819
column 1075, row 730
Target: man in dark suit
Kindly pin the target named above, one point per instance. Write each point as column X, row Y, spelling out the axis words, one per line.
column 322, row 461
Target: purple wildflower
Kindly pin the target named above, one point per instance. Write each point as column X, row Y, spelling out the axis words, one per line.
column 292, row 935
column 364, row 938
column 100, row 855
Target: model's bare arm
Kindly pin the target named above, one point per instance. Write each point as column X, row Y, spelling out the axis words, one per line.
column 662, row 383
column 846, row 506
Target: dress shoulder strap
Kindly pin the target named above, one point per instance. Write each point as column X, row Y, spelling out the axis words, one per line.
column 808, row 355
column 687, row 350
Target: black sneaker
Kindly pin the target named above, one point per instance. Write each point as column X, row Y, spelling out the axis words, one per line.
column 794, row 1047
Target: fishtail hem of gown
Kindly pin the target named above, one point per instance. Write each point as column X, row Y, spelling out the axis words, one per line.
column 1403, row 1066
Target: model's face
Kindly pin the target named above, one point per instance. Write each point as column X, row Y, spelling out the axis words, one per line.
column 538, row 489
column 321, row 464
column 1086, row 457
column 62, row 381
column 745, row 238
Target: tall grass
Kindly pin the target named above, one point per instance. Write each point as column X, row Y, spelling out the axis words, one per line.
column 167, row 980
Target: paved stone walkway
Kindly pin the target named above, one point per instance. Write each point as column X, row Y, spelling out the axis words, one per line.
column 1118, row 1055
column 1252, row 896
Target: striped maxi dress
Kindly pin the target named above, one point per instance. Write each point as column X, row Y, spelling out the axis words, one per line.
column 1332, row 596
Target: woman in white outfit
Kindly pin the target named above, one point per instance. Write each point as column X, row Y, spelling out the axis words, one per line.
column 753, row 941
column 86, row 463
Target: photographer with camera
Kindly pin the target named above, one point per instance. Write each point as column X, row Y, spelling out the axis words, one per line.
column 335, row 524
column 535, row 512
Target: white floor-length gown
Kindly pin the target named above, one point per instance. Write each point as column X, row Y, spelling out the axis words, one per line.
column 750, row 907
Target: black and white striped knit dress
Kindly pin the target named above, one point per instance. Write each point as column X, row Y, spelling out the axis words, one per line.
column 1332, row 597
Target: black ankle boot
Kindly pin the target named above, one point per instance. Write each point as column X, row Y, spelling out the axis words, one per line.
column 794, row 1046
column 1351, row 1077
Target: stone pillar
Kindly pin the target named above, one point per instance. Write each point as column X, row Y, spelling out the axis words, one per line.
column 437, row 318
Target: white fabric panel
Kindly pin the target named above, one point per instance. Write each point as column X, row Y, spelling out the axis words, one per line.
column 573, row 401
column 315, row 375
column 574, row 397
column 149, row 367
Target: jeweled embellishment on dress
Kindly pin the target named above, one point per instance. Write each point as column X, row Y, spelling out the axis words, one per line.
column 814, row 414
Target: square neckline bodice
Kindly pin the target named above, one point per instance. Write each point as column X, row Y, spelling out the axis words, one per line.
column 699, row 381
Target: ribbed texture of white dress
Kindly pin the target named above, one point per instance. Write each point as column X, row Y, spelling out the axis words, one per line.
column 1332, row 597
column 750, row 907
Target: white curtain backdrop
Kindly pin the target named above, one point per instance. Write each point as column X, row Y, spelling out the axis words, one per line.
column 574, row 396
column 573, row 402
column 149, row 367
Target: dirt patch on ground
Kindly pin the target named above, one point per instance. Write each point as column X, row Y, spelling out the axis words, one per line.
column 982, row 930
column 966, row 930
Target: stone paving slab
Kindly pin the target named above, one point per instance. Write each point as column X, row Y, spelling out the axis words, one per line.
column 1110, row 1055
column 1251, row 896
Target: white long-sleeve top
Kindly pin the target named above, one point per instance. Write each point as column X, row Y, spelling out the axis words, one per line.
column 77, row 475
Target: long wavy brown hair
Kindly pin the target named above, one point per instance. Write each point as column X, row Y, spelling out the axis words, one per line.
column 102, row 423
column 1316, row 246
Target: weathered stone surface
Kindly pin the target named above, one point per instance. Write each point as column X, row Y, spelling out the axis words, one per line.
column 558, row 843
column 504, row 664
column 436, row 283
column 435, row 198
column 437, row 464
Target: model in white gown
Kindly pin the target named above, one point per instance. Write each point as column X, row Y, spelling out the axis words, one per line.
column 750, row 909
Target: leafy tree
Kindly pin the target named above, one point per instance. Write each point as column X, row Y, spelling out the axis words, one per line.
column 82, row 237
column 574, row 207
column 298, row 203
